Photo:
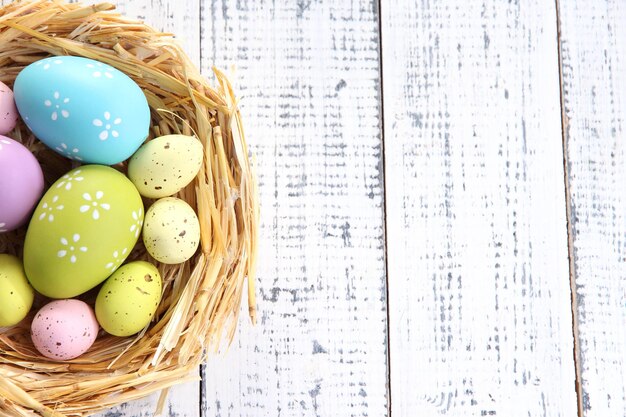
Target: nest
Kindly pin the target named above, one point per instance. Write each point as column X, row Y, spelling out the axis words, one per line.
column 202, row 297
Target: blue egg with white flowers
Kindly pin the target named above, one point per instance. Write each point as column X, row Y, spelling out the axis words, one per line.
column 83, row 109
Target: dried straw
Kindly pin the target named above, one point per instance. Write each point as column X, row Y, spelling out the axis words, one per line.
column 202, row 297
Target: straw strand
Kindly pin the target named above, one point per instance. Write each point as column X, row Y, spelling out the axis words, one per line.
column 201, row 298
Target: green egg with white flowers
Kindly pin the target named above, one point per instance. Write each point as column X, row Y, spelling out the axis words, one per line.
column 128, row 300
column 83, row 229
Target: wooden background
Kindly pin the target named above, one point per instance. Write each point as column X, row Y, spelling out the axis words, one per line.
column 443, row 221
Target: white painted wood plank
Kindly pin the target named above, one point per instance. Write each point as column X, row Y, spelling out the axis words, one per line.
column 182, row 401
column 480, row 316
column 180, row 18
column 308, row 74
column 593, row 36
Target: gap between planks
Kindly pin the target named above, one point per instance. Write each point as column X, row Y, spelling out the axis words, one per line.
column 568, row 218
column 381, row 92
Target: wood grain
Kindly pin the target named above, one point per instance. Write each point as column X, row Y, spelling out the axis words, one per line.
column 480, row 315
column 479, row 296
column 182, row 401
column 180, row 18
column 593, row 52
column 309, row 77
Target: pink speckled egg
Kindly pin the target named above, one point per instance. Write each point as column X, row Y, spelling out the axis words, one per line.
column 64, row 329
column 21, row 184
column 8, row 111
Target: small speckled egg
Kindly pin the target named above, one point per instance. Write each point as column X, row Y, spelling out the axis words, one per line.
column 83, row 109
column 8, row 111
column 21, row 184
column 171, row 231
column 64, row 329
column 129, row 298
column 16, row 294
column 165, row 165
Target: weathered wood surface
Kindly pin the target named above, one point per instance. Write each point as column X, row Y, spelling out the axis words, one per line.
column 593, row 51
column 477, row 240
column 479, row 291
column 309, row 74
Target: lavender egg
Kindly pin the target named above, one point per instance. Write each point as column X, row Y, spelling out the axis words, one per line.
column 21, row 184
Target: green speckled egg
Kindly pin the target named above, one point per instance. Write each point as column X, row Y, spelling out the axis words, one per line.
column 16, row 294
column 165, row 165
column 82, row 230
column 172, row 231
column 129, row 298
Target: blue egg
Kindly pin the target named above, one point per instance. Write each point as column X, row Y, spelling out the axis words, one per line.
column 83, row 109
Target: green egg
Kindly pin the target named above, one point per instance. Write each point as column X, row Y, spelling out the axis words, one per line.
column 128, row 300
column 83, row 229
column 16, row 294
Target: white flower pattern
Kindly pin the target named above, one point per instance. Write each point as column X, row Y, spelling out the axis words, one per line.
column 56, row 104
column 136, row 227
column 108, row 125
column 71, row 249
column 3, row 227
column 100, row 70
column 48, row 64
column 95, row 204
column 64, row 150
column 67, row 180
column 117, row 260
column 4, row 142
column 48, row 209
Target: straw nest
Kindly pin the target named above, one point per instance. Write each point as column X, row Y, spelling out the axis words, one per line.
column 202, row 297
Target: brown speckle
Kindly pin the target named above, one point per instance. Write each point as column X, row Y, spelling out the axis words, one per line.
column 148, row 278
column 142, row 291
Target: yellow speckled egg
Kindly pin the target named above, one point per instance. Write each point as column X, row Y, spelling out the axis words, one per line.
column 165, row 165
column 171, row 231
column 129, row 298
column 16, row 294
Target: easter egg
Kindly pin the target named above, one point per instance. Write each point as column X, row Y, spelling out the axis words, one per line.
column 82, row 230
column 21, row 184
column 165, row 165
column 8, row 111
column 83, row 109
column 64, row 329
column 172, row 231
column 16, row 294
column 129, row 298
